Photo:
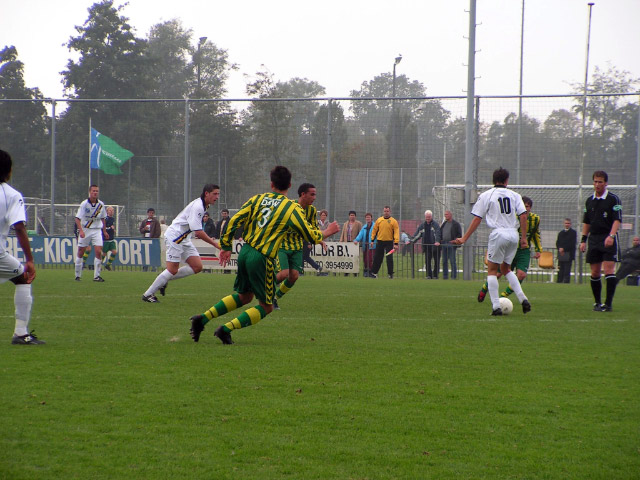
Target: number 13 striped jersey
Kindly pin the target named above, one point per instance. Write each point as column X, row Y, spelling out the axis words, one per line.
column 266, row 219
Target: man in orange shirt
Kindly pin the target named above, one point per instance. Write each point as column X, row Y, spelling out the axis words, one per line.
column 387, row 233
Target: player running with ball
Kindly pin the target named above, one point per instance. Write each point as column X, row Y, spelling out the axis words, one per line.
column 503, row 210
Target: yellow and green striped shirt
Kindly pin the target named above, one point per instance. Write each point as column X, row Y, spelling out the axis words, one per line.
column 292, row 239
column 533, row 231
column 267, row 218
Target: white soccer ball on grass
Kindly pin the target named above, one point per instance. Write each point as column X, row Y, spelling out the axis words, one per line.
column 506, row 306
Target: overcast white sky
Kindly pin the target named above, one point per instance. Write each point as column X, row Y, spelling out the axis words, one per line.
column 341, row 43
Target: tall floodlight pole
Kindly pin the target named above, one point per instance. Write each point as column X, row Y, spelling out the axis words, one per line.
column 329, row 147
column 520, row 99
column 200, row 44
column 636, row 228
column 52, row 213
column 584, row 127
column 469, row 143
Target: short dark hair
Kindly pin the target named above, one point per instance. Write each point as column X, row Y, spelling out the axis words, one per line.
column 281, row 178
column 151, row 209
column 368, row 214
column 304, row 188
column 208, row 188
column 527, row 201
column 352, row 211
column 500, row 176
column 205, row 214
column 5, row 166
column 225, row 210
column 601, row 174
column 93, row 185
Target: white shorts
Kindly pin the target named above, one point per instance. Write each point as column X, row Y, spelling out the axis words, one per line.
column 503, row 243
column 10, row 267
column 92, row 236
column 179, row 252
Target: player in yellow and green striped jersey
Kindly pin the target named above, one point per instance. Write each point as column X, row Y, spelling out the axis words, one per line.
column 290, row 258
column 522, row 259
column 266, row 218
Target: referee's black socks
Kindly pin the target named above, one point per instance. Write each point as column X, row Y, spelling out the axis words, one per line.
column 612, row 281
column 596, row 288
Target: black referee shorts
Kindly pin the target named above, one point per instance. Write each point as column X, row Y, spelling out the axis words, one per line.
column 598, row 253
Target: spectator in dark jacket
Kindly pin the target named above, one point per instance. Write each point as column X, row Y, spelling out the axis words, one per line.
column 222, row 223
column 429, row 233
column 566, row 244
column 208, row 226
column 449, row 230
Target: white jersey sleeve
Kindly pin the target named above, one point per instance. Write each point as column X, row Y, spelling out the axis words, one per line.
column 12, row 211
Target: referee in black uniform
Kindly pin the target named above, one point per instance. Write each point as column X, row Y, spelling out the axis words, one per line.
column 602, row 218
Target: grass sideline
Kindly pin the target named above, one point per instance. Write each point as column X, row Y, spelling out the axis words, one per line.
column 353, row 379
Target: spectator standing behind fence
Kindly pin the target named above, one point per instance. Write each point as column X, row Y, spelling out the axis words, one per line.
column 13, row 214
column 109, row 249
column 387, row 233
column 351, row 228
column 368, row 245
column 222, row 223
column 208, row 226
column 323, row 220
column 566, row 245
column 449, row 231
column 350, row 231
column 429, row 232
column 150, row 228
column 600, row 224
column 405, row 241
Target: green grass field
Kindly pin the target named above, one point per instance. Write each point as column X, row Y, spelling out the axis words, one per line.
column 353, row 379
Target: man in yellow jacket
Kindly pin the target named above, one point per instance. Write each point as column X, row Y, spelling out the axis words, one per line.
column 387, row 233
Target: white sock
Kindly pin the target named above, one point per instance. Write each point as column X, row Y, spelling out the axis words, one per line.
column 492, row 283
column 516, row 287
column 183, row 272
column 22, row 300
column 160, row 280
column 97, row 267
column 78, row 265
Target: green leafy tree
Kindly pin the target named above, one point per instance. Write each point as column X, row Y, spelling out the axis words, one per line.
column 23, row 126
column 276, row 127
column 603, row 112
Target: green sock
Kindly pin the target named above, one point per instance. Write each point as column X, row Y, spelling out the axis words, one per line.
column 85, row 256
column 249, row 317
column 227, row 304
column 284, row 288
column 485, row 287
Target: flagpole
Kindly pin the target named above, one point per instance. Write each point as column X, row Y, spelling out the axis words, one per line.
column 89, row 186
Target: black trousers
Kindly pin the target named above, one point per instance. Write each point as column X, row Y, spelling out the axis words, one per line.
column 432, row 260
column 383, row 247
column 564, row 272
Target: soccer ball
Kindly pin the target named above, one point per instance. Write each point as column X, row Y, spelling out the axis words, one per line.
column 506, row 306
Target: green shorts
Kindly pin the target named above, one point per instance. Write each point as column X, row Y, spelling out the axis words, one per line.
column 290, row 260
column 109, row 245
column 521, row 260
column 256, row 274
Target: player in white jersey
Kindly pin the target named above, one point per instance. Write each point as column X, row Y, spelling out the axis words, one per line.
column 12, row 214
column 177, row 240
column 503, row 210
column 90, row 221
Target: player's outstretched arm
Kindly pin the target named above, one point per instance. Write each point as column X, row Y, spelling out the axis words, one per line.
column 23, row 240
column 206, row 238
column 472, row 228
